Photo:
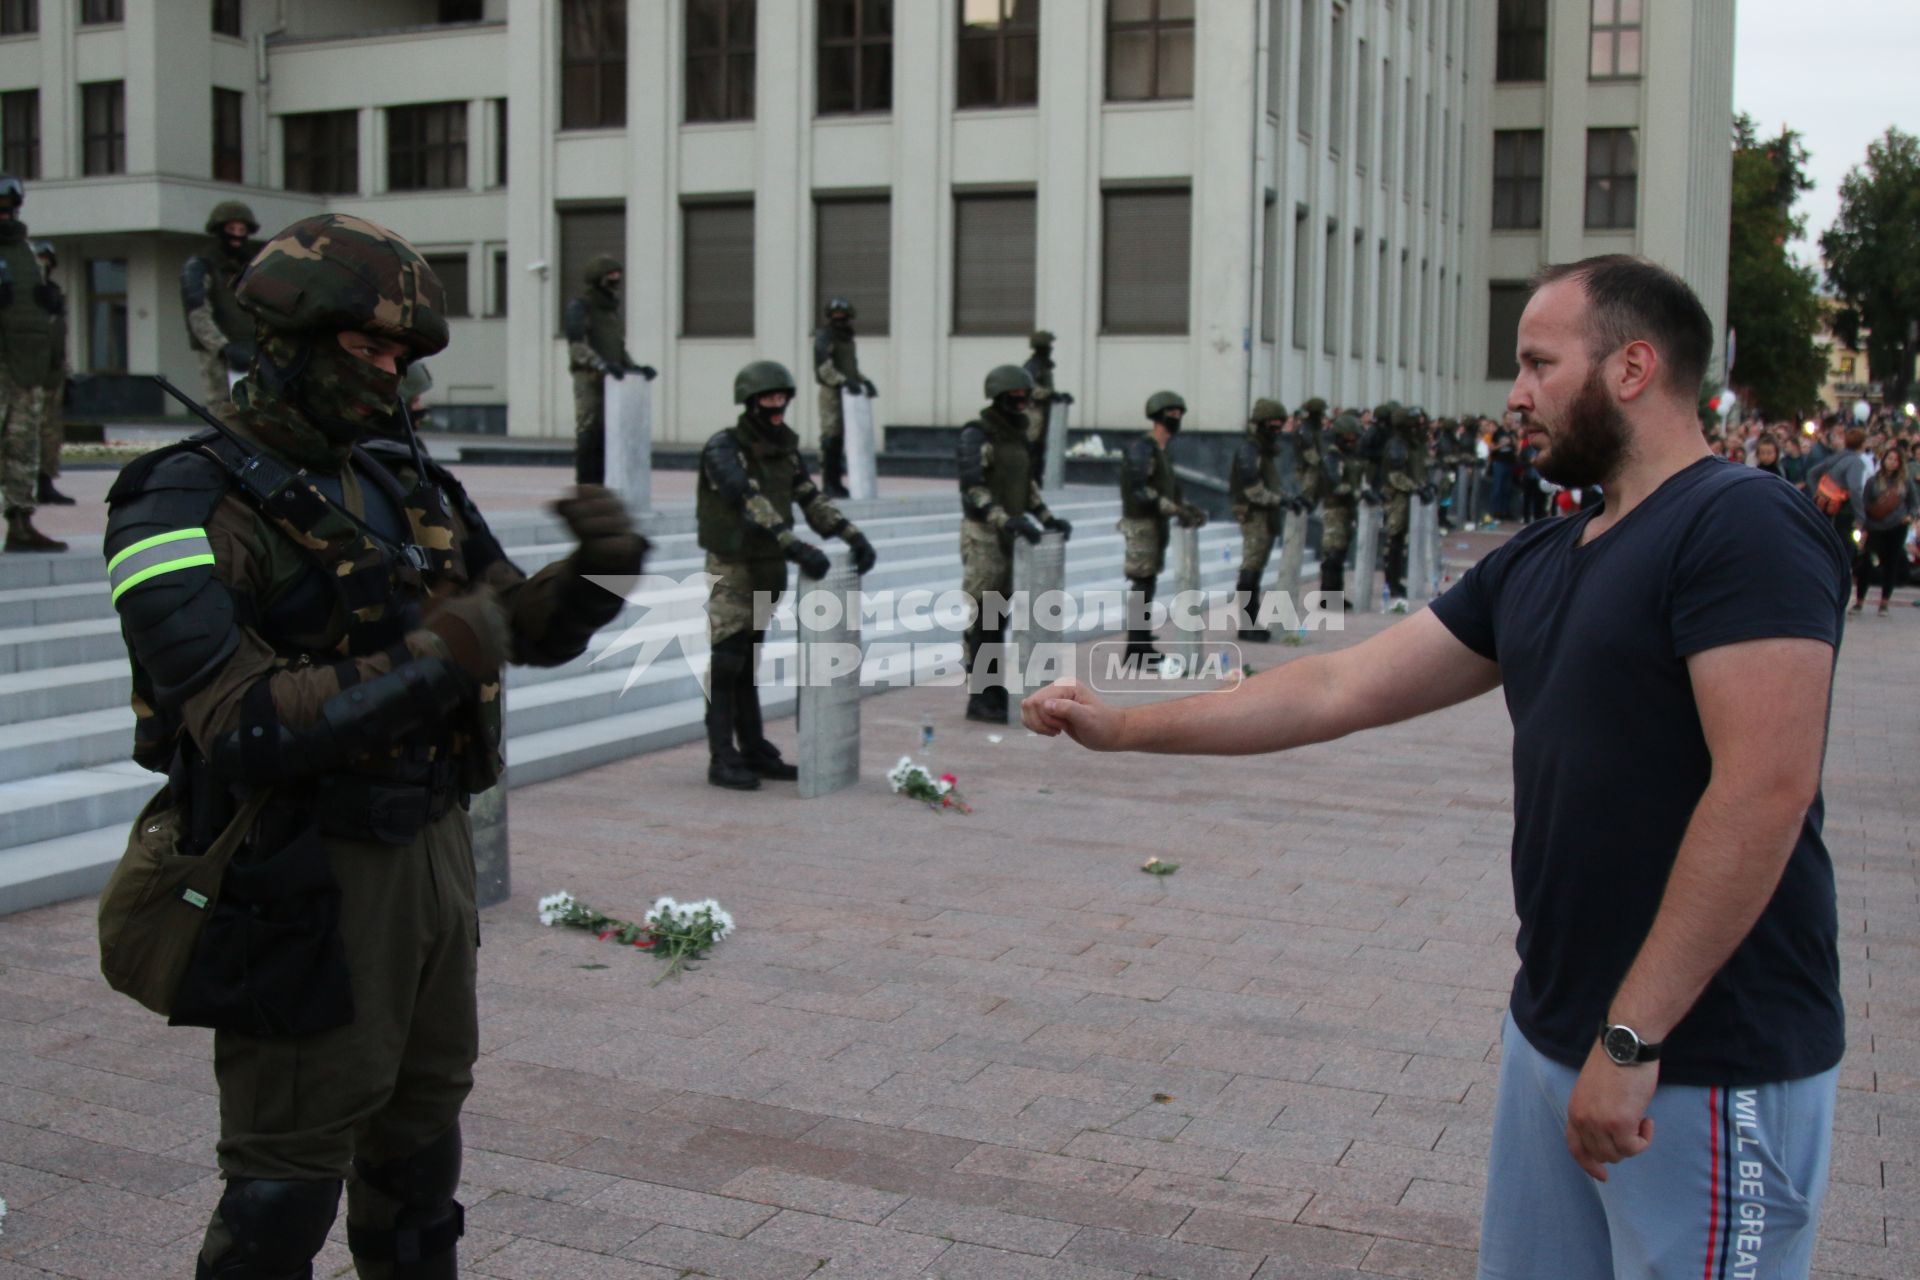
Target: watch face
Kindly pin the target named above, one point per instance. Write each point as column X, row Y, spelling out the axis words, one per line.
column 1621, row 1045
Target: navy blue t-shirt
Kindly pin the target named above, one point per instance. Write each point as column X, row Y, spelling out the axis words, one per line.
column 1609, row 760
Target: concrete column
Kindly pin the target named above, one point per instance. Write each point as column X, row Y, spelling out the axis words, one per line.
column 532, row 115
column 828, row 618
column 654, row 71
column 783, row 207
column 1066, row 296
column 1227, row 194
column 59, row 96
column 922, row 211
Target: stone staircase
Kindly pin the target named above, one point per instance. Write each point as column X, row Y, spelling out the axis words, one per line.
column 68, row 790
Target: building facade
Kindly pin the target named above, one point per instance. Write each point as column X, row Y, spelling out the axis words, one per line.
column 1234, row 199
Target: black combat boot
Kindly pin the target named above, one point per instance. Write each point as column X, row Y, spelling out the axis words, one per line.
column 725, row 766
column 48, row 496
column 1140, row 639
column 1333, row 581
column 760, row 755
column 22, row 536
column 989, row 705
column 833, row 466
column 1248, row 588
column 1397, row 567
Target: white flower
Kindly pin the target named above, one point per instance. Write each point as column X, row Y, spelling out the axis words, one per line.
column 943, row 787
column 554, row 908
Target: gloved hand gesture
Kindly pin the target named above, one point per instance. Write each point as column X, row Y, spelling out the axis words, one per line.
column 646, row 371
column 599, row 520
column 1054, row 524
column 812, row 560
column 873, row 392
column 476, row 631
column 864, row 556
column 1022, row 526
column 614, row 371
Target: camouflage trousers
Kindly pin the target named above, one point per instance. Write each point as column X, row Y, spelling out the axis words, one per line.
column 20, row 443
column 214, row 390
column 986, row 563
column 731, row 598
column 1258, row 528
column 1394, row 521
column 53, row 429
column 832, row 423
column 589, row 427
column 1336, row 529
column 1146, row 538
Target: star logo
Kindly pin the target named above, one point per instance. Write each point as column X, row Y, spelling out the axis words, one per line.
column 672, row 612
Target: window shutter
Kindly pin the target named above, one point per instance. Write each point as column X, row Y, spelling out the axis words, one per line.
column 994, row 264
column 716, row 298
column 1146, row 253
column 853, row 257
column 584, row 235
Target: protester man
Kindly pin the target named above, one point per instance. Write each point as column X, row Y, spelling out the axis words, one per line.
column 317, row 658
column 999, row 502
column 596, row 328
column 1150, row 498
column 219, row 328
column 751, row 479
column 1671, row 1050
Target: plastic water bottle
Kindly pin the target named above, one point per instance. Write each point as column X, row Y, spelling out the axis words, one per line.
column 926, row 732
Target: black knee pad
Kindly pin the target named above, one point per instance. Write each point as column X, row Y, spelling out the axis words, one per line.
column 430, row 1221
column 276, row 1225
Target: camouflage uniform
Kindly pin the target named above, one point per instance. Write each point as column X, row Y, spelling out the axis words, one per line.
column 836, row 365
column 1253, row 483
column 1309, row 442
column 999, row 501
column 751, row 478
column 329, row 683
column 596, row 329
column 1344, row 482
column 1039, row 367
column 52, row 420
column 217, row 325
column 27, row 311
column 1150, row 497
column 1403, row 474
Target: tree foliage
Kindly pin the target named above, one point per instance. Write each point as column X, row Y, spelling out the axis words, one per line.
column 1773, row 303
column 1873, row 260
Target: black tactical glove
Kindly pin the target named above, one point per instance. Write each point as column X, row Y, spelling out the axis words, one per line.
column 1021, row 526
column 1372, row 497
column 608, row 543
column 1063, row 397
column 613, row 371
column 864, row 555
column 646, row 371
column 238, row 355
column 476, row 632
column 1192, row 517
column 1427, row 493
column 873, row 392
column 812, row 560
column 1054, row 524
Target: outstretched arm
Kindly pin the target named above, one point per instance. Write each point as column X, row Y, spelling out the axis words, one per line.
column 1407, row 670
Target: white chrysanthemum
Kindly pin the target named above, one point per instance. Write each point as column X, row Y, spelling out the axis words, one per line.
column 662, row 906
column 943, row 786
column 554, row 908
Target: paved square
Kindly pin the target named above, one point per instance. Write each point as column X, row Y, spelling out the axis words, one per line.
column 988, row 1046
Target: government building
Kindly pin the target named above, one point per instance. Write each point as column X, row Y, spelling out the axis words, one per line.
column 1232, row 198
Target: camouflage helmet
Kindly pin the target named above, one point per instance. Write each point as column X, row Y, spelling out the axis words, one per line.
column 759, row 378
column 11, row 188
column 1315, row 408
column 1383, row 413
column 1417, row 413
column 1006, row 378
column 231, row 211
column 1161, row 401
column 838, row 303
column 599, row 267
column 1040, row 339
column 335, row 272
column 1265, row 410
column 1346, row 427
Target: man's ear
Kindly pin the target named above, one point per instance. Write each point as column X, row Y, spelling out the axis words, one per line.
column 1633, row 369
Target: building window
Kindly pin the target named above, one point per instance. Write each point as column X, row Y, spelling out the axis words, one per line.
column 1149, row 50
column 1387, row 133
column 716, row 270
column 323, row 152
column 427, row 147
column 1302, row 276
column 853, row 257
column 1410, row 138
column 497, row 306
column 1505, row 302
column 1420, row 316
column 1444, row 336
column 451, row 11
column 1270, row 271
column 226, row 18
column 1337, row 83
column 1426, row 158
column 1359, row 338
column 1406, row 306
column 103, row 128
column 1363, row 133
column 593, row 64
column 499, row 142
column 1146, row 249
column 1381, row 314
column 1616, row 40
column 1521, row 48
column 993, row 263
column 227, row 150
column 1613, row 184
column 720, row 44
column 452, row 270
column 1519, row 161
column 586, row 234
column 1446, row 163
column 999, row 53
column 1309, row 62
column 20, row 133
column 107, row 315
column 19, row 18
column 1330, row 293
column 855, row 57
column 95, row 11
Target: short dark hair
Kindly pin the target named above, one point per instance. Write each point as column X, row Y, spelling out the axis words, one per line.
column 1632, row 300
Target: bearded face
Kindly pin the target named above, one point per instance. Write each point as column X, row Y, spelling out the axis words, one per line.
column 1586, row 440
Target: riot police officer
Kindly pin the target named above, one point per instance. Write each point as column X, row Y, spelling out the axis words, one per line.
column 28, row 311
column 1309, row 443
column 1150, row 498
column 1345, row 483
column 1402, row 478
column 53, row 428
column 219, row 328
column 999, row 501
column 1039, row 367
column 317, row 635
column 1254, row 488
column 596, row 328
column 836, row 367
column 751, row 479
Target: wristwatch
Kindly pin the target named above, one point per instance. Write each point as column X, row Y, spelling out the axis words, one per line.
column 1624, row 1045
